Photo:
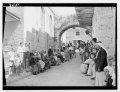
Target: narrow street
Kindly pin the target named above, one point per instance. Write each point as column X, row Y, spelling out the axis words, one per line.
column 66, row 74
column 37, row 39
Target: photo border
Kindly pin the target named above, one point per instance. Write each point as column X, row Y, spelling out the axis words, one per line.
column 60, row 5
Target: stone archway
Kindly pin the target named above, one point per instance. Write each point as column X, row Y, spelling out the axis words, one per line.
column 67, row 27
column 73, row 21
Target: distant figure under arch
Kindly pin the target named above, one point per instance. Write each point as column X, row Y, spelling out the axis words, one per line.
column 65, row 28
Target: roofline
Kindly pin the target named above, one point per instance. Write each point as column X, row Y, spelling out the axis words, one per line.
column 51, row 10
column 12, row 15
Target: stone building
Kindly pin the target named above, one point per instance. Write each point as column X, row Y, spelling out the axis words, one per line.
column 104, row 27
column 75, row 34
column 39, row 27
column 13, row 28
column 101, row 21
column 34, row 25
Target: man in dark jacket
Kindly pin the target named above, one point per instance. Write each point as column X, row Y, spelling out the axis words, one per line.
column 50, row 52
column 100, row 63
column 101, row 60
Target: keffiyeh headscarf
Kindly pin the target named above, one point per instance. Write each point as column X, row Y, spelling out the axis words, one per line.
column 101, row 45
column 110, row 69
column 111, row 72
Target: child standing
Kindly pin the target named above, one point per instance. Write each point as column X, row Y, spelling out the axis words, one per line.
column 11, row 61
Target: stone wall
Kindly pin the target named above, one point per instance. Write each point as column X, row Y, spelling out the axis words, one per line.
column 37, row 32
column 29, row 28
column 104, row 27
column 14, row 29
column 70, row 35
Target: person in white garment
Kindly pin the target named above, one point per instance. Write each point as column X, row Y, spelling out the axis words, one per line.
column 11, row 55
column 90, row 63
column 77, row 52
column 109, row 73
column 41, row 62
column 91, row 67
column 20, row 52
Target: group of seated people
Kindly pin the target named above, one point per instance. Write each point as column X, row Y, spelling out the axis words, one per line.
column 88, row 68
column 40, row 61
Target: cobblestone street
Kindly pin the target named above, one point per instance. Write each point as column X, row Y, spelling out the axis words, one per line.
column 66, row 74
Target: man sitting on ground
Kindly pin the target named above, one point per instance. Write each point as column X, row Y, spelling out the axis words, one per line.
column 90, row 63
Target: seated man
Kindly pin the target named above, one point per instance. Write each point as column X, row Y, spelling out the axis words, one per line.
column 63, row 54
column 56, row 59
column 46, row 60
column 60, row 57
column 86, row 67
column 42, row 64
column 32, row 63
column 90, row 62
column 91, row 71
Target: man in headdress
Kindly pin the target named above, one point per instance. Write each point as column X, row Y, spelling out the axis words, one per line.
column 50, row 51
column 100, row 63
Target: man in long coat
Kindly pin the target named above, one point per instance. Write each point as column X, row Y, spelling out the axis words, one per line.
column 100, row 63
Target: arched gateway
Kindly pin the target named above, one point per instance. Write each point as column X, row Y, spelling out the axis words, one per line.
column 65, row 29
column 83, row 20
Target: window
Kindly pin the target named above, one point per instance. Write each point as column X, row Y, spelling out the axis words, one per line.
column 77, row 33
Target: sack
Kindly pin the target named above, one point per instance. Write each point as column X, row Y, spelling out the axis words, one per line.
column 84, row 68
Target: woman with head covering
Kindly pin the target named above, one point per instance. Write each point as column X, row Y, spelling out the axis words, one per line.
column 42, row 64
column 109, row 73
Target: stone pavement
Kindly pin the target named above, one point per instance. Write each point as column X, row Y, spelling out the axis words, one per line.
column 16, row 77
column 66, row 74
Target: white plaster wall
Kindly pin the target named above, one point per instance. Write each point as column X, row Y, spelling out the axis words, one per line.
column 32, row 20
column 14, row 29
column 70, row 35
column 48, row 12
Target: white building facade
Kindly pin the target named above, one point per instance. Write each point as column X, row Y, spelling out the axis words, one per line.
column 75, row 34
column 39, row 21
column 34, row 25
